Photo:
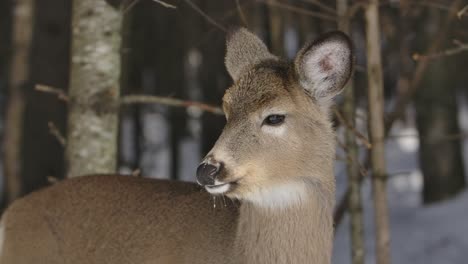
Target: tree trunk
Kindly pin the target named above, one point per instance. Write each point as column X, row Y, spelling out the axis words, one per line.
column 277, row 21
column 352, row 160
column 50, row 57
column 94, row 88
column 213, row 77
column 440, row 154
column 6, row 8
column 19, row 74
column 376, row 128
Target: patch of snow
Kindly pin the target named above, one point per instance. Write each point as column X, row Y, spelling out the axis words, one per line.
column 419, row 234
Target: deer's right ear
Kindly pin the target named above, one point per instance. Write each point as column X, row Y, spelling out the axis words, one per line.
column 244, row 50
column 325, row 65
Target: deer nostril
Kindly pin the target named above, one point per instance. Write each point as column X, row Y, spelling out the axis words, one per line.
column 206, row 174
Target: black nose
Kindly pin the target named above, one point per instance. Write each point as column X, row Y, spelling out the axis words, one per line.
column 206, row 173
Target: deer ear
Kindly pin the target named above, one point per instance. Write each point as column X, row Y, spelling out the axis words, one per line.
column 244, row 50
column 325, row 65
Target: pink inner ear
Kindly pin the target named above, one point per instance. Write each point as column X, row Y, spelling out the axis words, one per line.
column 326, row 64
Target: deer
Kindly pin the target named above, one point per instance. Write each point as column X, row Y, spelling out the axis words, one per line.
column 271, row 170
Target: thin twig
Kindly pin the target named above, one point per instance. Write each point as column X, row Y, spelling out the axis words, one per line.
column 48, row 89
column 321, row 5
column 166, row 5
column 461, row 47
column 462, row 12
column 299, row 10
column 54, row 131
column 52, row 179
column 141, row 99
column 241, row 14
column 206, row 16
column 358, row 134
column 136, row 173
column 146, row 99
column 405, row 98
column 127, row 8
column 402, row 102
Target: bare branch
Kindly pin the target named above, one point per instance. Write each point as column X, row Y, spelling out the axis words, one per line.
column 146, row 99
column 299, row 10
column 48, row 89
column 241, row 14
column 462, row 12
column 127, row 8
column 141, row 99
column 166, row 5
column 206, row 16
column 52, row 179
column 358, row 134
column 461, row 47
column 321, row 5
column 136, row 173
column 54, row 131
column 423, row 64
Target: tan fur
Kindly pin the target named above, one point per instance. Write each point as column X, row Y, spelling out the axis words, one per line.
column 280, row 178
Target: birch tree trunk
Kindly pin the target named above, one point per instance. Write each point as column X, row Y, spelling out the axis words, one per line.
column 19, row 74
column 352, row 163
column 94, row 88
column 376, row 128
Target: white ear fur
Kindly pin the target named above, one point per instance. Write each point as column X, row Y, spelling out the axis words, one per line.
column 244, row 50
column 325, row 65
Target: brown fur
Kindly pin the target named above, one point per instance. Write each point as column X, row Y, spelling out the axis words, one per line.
column 281, row 175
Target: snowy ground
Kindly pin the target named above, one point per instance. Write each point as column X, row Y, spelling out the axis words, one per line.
column 420, row 234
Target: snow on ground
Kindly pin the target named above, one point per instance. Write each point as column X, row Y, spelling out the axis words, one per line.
column 436, row 234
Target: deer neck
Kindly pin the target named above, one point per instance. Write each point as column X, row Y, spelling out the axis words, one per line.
column 299, row 232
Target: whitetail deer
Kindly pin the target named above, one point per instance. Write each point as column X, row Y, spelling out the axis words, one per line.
column 274, row 159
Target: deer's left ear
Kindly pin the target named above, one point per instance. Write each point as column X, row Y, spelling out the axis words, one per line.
column 325, row 65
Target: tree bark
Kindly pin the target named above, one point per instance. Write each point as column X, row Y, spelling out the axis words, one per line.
column 440, row 156
column 213, row 77
column 50, row 58
column 376, row 128
column 277, row 21
column 19, row 74
column 94, row 88
column 352, row 160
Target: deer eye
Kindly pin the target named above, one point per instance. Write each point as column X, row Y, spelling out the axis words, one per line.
column 274, row 120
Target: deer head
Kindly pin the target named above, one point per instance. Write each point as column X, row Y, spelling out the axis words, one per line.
column 278, row 139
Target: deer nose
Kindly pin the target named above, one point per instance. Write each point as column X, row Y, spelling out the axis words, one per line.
column 207, row 172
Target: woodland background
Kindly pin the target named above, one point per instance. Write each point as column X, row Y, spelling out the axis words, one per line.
column 172, row 53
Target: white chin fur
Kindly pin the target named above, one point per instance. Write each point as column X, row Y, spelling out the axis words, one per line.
column 218, row 189
column 279, row 197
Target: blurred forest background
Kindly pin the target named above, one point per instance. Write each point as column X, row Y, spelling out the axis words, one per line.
column 172, row 53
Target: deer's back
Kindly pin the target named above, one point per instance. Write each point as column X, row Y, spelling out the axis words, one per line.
column 117, row 219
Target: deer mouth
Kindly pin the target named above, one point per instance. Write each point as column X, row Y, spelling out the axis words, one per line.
column 219, row 187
